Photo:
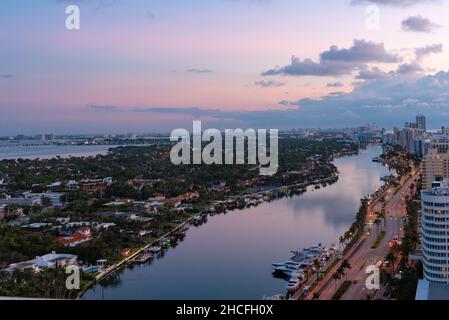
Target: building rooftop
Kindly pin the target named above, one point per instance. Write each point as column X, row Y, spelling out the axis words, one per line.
column 441, row 188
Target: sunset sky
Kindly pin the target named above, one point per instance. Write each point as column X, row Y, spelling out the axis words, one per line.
column 155, row 65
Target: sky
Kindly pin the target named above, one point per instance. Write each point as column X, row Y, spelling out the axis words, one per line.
column 156, row 65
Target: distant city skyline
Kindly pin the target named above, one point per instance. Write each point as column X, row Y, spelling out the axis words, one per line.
column 153, row 66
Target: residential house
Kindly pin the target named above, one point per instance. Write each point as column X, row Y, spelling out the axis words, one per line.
column 47, row 261
column 81, row 235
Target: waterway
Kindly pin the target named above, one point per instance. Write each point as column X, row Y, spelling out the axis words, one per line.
column 230, row 256
column 42, row 150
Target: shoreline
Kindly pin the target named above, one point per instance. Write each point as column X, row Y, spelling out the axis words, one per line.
column 124, row 263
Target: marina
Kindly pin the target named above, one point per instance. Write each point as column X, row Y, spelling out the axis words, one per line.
column 304, row 262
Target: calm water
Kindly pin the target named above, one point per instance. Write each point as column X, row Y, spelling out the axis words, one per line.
column 35, row 150
column 230, row 256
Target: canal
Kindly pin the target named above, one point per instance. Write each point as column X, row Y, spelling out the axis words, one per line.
column 230, row 256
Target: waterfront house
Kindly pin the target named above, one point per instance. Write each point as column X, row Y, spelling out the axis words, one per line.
column 101, row 264
column 54, row 259
column 48, row 261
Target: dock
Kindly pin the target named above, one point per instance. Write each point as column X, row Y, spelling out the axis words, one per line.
column 130, row 259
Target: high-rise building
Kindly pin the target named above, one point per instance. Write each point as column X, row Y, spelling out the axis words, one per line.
column 435, row 241
column 435, row 233
column 411, row 125
column 421, row 122
column 436, row 162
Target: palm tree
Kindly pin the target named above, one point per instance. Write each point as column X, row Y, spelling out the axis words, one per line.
column 316, row 264
column 381, row 215
column 344, row 265
column 336, row 277
column 377, row 223
column 342, row 241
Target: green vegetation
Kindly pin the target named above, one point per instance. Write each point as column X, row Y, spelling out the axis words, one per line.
column 379, row 239
column 405, row 287
column 18, row 244
column 356, row 230
column 153, row 163
column 411, row 236
column 331, row 266
column 45, row 284
column 341, row 290
column 138, row 174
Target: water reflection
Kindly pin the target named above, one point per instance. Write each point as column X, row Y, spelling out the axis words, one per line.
column 230, row 256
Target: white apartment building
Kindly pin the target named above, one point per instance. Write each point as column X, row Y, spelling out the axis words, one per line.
column 435, row 233
column 435, row 243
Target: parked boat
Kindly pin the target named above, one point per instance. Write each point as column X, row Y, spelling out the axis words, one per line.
column 143, row 257
column 154, row 249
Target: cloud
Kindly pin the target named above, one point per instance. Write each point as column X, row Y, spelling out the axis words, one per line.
column 6, row 76
column 105, row 108
column 335, row 85
column 409, row 68
column 361, row 51
column 196, row 70
column 307, row 67
column 371, row 74
column 269, row 83
column 337, row 62
column 387, row 101
column 419, row 24
column 431, row 49
column 395, row 3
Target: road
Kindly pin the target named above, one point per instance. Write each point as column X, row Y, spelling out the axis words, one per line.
column 362, row 254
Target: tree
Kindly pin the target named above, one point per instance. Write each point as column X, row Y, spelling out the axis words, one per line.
column 336, row 277
column 316, row 264
column 46, row 201
column 342, row 241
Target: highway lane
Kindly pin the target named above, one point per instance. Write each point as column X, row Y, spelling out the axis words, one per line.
column 395, row 209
